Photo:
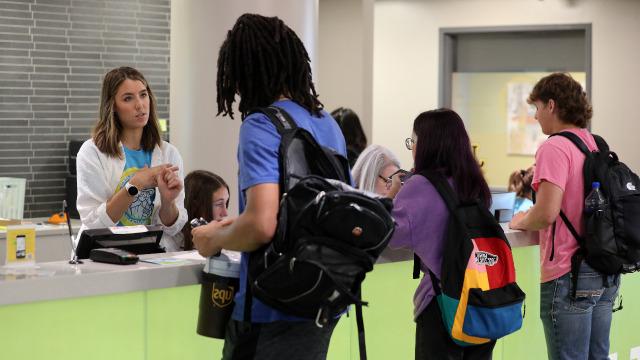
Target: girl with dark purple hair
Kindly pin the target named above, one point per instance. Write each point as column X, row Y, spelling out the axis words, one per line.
column 439, row 143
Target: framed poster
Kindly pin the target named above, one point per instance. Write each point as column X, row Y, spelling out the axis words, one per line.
column 524, row 134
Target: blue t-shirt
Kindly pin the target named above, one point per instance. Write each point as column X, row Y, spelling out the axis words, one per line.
column 141, row 209
column 258, row 164
column 521, row 204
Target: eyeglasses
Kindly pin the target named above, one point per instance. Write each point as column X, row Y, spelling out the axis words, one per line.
column 387, row 181
column 404, row 175
column 409, row 143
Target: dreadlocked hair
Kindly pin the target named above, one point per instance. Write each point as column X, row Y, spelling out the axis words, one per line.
column 262, row 59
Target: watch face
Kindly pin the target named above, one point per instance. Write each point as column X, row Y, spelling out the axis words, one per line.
column 133, row 191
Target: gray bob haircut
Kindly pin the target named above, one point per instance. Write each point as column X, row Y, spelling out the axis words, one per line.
column 369, row 164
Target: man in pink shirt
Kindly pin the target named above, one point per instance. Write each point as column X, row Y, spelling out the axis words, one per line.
column 575, row 328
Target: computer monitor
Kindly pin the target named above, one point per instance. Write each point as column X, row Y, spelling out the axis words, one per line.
column 137, row 242
column 502, row 205
column 498, row 189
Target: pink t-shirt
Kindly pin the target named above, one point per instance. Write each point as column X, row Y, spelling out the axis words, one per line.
column 560, row 162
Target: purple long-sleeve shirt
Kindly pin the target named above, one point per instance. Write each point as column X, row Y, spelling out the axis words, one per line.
column 421, row 216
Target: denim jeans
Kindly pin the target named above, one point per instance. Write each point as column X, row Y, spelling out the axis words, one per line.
column 578, row 329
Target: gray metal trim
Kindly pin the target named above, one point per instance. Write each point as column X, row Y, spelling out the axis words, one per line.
column 446, row 65
column 515, row 28
column 587, row 64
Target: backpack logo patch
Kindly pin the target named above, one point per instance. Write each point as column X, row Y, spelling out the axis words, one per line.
column 485, row 258
column 630, row 186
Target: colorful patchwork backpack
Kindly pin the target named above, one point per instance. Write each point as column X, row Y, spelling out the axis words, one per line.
column 477, row 294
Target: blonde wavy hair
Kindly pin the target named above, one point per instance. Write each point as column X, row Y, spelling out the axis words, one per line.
column 108, row 129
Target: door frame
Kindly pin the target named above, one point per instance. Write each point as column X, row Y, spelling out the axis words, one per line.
column 448, row 38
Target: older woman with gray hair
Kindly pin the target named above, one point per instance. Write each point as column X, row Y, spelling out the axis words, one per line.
column 373, row 169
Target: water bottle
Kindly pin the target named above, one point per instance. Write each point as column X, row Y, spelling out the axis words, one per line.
column 595, row 201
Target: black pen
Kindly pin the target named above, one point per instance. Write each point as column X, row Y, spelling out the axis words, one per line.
column 65, row 209
column 74, row 260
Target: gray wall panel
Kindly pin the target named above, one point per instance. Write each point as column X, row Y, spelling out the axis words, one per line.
column 53, row 56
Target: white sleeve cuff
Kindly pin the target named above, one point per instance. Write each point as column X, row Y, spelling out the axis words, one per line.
column 103, row 217
column 177, row 225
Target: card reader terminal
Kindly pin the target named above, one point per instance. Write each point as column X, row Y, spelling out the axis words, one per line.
column 113, row 256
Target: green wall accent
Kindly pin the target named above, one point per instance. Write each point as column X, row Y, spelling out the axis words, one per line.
column 160, row 324
column 104, row 327
column 174, row 337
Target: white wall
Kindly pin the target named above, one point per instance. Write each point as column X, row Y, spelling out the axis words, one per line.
column 345, row 57
column 406, row 58
column 198, row 28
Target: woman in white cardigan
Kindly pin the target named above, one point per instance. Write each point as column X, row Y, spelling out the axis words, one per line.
column 127, row 175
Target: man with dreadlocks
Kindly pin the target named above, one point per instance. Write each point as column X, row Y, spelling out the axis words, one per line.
column 265, row 62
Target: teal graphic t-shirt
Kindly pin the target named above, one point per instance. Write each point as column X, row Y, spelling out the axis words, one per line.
column 141, row 209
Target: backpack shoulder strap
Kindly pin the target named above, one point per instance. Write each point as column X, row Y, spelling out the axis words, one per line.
column 284, row 123
column 444, row 189
column 583, row 148
column 451, row 200
column 279, row 117
column 575, row 140
column 602, row 145
column 416, row 266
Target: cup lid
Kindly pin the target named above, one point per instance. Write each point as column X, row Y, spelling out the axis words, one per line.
column 223, row 265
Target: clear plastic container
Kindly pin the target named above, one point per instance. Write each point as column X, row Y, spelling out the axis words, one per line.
column 595, row 201
column 12, row 192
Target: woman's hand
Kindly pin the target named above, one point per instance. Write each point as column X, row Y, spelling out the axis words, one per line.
column 169, row 184
column 146, row 177
column 204, row 236
column 396, row 184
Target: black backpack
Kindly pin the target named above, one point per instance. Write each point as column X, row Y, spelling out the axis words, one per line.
column 611, row 243
column 327, row 237
column 477, row 295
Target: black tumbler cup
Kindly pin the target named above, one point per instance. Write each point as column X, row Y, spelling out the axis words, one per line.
column 219, row 286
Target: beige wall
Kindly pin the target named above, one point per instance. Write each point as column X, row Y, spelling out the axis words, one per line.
column 406, row 58
column 198, row 28
column 402, row 79
column 344, row 75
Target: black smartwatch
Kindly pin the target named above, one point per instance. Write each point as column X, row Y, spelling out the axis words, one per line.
column 131, row 189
